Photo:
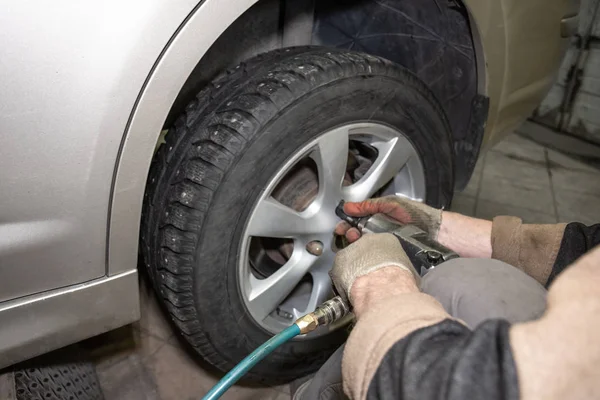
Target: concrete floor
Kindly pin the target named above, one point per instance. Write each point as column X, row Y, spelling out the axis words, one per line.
column 148, row 361
column 517, row 177
column 522, row 178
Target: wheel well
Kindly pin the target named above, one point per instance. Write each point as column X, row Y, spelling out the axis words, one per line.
column 432, row 38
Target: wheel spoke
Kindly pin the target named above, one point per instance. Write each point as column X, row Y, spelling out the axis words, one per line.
column 273, row 219
column 321, row 291
column 331, row 157
column 393, row 155
column 266, row 295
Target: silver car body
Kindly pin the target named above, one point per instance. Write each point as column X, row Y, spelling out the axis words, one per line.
column 85, row 90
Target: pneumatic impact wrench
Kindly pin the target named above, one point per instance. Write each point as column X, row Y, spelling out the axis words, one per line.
column 424, row 252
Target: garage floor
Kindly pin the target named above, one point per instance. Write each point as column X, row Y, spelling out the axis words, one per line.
column 147, row 361
column 517, row 177
column 522, row 178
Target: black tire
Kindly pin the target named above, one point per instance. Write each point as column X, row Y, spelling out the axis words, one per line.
column 57, row 376
column 222, row 151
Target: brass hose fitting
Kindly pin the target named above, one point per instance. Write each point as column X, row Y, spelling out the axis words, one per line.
column 327, row 313
column 307, row 323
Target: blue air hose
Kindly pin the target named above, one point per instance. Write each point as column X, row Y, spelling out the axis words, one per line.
column 250, row 361
column 327, row 313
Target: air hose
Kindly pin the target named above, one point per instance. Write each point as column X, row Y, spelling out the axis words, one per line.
column 327, row 313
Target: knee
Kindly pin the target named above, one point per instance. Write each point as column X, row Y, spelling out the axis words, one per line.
column 474, row 274
column 476, row 289
column 452, row 276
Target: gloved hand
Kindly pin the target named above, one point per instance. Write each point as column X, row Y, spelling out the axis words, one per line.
column 401, row 209
column 370, row 253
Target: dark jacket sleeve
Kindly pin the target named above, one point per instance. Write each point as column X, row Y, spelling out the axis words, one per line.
column 448, row 361
column 577, row 240
column 541, row 251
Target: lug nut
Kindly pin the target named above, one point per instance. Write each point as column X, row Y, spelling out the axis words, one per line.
column 315, row 248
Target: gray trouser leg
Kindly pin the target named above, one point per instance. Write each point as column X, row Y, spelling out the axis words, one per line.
column 470, row 289
column 473, row 290
column 327, row 383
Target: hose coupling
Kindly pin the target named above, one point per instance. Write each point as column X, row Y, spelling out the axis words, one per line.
column 331, row 311
column 327, row 313
column 307, row 323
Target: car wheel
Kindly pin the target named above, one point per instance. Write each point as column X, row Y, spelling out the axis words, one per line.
column 241, row 196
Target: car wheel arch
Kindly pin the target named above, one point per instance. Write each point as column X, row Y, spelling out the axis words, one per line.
column 196, row 35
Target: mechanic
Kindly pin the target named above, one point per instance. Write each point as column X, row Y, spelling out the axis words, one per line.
column 478, row 327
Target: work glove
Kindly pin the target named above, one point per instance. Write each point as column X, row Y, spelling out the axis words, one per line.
column 403, row 210
column 370, row 253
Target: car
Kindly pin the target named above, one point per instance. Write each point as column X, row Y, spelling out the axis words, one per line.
column 209, row 142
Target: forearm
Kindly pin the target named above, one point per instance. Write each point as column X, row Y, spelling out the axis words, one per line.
column 447, row 361
column 405, row 345
column 542, row 251
column 388, row 307
column 469, row 237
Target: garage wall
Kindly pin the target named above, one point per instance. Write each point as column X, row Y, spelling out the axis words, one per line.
column 573, row 104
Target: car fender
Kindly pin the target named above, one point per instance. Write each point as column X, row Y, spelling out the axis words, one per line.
column 519, row 46
column 70, row 74
column 193, row 39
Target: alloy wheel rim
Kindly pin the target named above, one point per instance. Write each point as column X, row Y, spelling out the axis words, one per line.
column 277, row 300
